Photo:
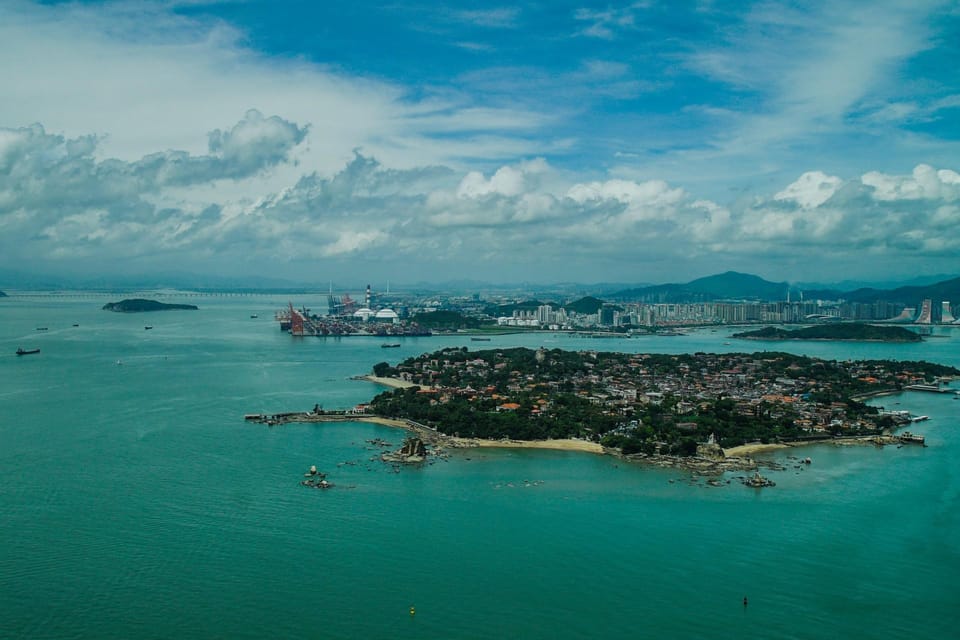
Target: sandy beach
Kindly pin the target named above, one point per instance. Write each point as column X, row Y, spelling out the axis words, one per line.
column 560, row 445
column 393, row 383
column 746, row 450
column 386, row 422
column 450, row 441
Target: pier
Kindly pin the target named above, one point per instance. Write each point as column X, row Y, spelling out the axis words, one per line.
column 929, row 388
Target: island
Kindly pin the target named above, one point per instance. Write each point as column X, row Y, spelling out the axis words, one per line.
column 138, row 305
column 848, row 331
column 704, row 413
column 650, row 404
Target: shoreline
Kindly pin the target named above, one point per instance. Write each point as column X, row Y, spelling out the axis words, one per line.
column 739, row 458
column 566, row 444
column 453, row 442
column 440, row 439
column 746, row 450
column 393, row 383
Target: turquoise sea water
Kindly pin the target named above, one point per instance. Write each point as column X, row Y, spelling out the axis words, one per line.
column 135, row 502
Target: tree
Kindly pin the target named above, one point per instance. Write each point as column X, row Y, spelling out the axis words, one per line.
column 383, row 369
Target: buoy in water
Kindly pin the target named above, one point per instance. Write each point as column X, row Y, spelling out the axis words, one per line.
column 413, row 611
column 744, row 601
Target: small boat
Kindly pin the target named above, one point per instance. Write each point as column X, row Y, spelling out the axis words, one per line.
column 41, row 328
column 148, row 327
column 253, row 315
column 480, row 339
column 390, row 345
column 912, row 438
column 25, row 352
column 76, row 324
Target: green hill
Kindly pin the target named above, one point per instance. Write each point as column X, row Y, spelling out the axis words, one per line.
column 588, row 304
column 844, row 331
column 911, row 296
column 730, row 285
column 137, row 305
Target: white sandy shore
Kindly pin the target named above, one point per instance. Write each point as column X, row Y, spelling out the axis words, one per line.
column 393, row 383
column 560, row 445
column 746, row 450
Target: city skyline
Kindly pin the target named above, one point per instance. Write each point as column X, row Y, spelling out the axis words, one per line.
column 632, row 142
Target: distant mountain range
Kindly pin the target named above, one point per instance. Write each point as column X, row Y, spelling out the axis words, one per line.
column 729, row 285
column 742, row 286
column 937, row 292
column 724, row 286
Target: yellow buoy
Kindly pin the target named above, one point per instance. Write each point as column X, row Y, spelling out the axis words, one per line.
column 413, row 611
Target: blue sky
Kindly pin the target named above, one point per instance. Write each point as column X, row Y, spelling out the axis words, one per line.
column 540, row 141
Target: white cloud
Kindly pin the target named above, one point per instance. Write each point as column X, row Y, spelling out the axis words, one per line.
column 507, row 181
column 652, row 193
column 67, row 205
column 811, row 189
column 144, row 79
column 606, row 23
column 501, row 18
column 350, row 241
column 925, row 183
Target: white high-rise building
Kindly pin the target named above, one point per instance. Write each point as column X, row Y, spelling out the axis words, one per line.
column 946, row 316
column 545, row 314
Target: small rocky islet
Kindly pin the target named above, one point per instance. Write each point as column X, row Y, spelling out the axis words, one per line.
column 845, row 331
column 140, row 305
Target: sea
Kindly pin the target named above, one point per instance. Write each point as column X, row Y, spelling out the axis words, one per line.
column 136, row 502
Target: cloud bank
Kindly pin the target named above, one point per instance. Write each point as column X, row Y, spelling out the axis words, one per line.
column 59, row 200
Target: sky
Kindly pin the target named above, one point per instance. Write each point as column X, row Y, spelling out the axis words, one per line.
column 645, row 142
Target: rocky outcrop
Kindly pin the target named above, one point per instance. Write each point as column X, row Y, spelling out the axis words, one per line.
column 412, row 451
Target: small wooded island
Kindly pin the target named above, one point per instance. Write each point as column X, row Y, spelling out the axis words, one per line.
column 858, row 331
column 649, row 403
column 137, row 305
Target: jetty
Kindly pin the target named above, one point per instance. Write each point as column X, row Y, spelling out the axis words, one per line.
column 928, row 388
